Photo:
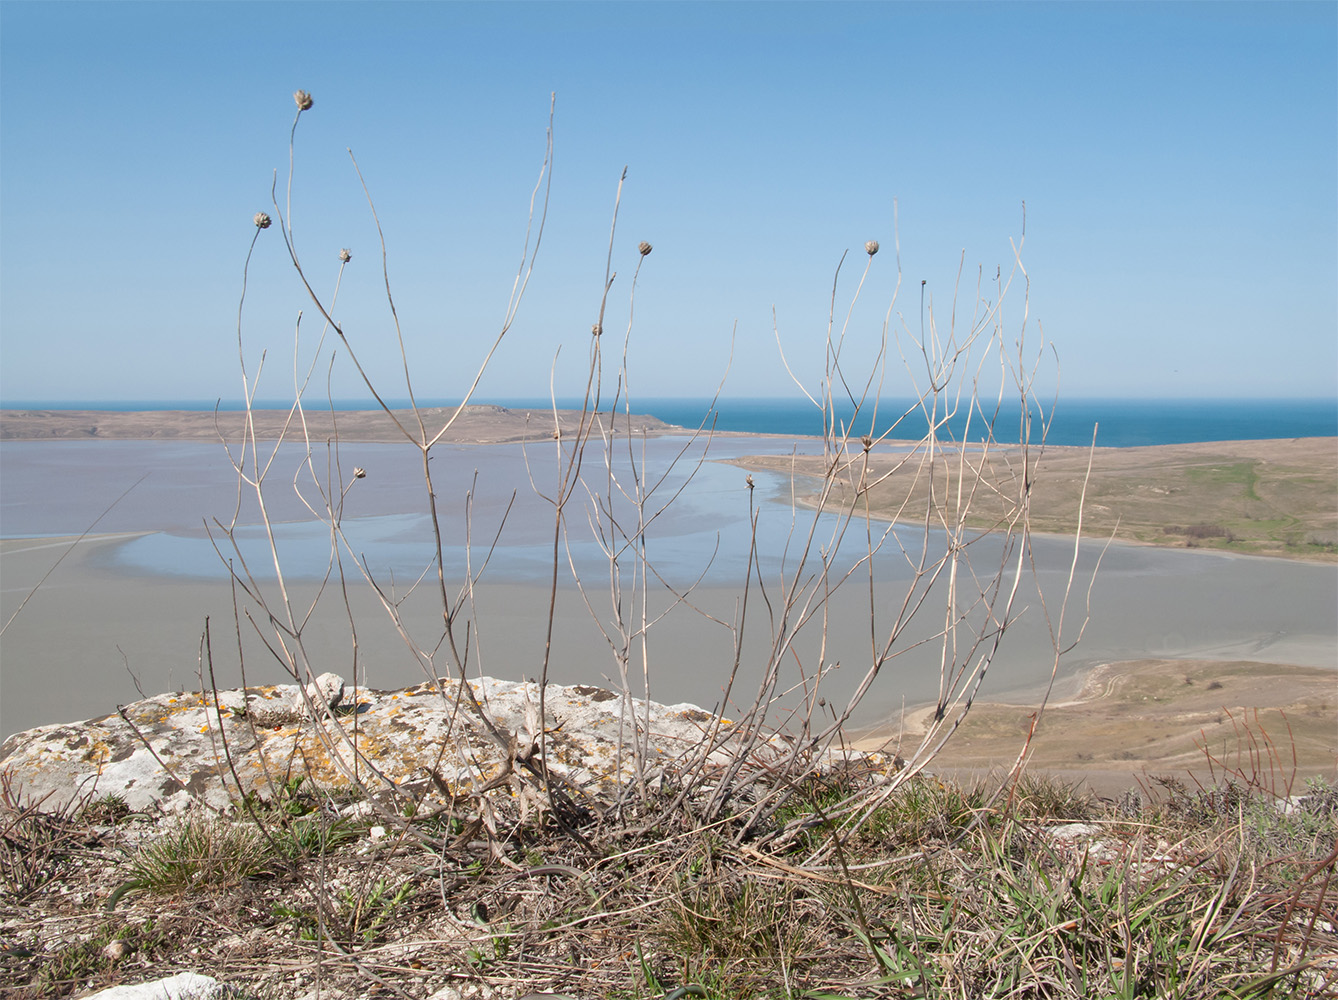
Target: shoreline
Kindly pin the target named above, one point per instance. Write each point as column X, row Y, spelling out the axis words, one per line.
column 94, row 628
column 1119, row 737
column 1271, row 498
column 1144, row 719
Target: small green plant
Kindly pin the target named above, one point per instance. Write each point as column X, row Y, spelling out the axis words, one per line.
column 353, row 916
column 196, row 855
column 366, row 913
column 1044, row 796
column 107, row 809
column 313, row 835
column 91, row 962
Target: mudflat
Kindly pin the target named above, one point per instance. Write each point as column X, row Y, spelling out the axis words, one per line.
column 1276, row 498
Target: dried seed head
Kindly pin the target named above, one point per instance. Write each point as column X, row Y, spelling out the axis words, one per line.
column 871, row 247
column 359, row 472
column 644, row 247
column 346, row 255
column 303, row 100
column 596, row 329
column 749, row 481
column 867, row 442
column 262, row 220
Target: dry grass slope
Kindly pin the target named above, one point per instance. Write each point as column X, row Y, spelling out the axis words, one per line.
column 1277, row 498
column 1029, row 891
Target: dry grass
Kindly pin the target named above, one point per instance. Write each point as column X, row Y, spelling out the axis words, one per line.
column 955, row 891
column 1276, row 498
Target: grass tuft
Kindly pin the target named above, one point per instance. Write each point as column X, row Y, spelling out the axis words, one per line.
column 198, row 855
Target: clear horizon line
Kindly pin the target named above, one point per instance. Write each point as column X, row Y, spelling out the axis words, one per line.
column 48, row 403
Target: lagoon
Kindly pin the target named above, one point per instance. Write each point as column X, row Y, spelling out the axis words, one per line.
column 134, row 607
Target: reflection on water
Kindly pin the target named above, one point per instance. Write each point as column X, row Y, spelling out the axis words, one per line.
column 494, row 510
column 1145, row 602
column 494, row 504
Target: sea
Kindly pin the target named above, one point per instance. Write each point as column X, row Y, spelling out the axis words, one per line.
column 1112, row 422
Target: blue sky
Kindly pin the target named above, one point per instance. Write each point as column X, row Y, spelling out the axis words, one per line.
column 1178, row 162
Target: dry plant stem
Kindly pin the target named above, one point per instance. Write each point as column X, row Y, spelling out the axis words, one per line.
column 625, row 539
column 68, row 549
column 1325, row 864
column 954, row 661
column 292, row 626
column 208, row 650
column 570, row 472
column 741, row 771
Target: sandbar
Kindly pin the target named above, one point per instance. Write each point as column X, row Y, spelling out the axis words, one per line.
column 476, row 423
column 1276, row 498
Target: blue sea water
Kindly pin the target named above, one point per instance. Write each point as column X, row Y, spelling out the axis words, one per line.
column 1118, row 423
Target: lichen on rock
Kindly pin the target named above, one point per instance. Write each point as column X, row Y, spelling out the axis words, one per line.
column 423, row 745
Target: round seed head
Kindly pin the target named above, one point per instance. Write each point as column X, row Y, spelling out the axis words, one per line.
column 867, row 442
column 644, row 247
column 749, row 481
column 359, row 472
column 346, row 255
column 596, row 329
column 303, row 100
column 262, row 220
column 871, row 247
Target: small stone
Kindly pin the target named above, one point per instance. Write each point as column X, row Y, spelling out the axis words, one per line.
column 327, row 689
column 115, row 951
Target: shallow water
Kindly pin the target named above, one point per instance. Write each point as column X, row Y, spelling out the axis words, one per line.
column 144, row 598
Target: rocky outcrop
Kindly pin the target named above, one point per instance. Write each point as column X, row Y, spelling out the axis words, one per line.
column 421, row 746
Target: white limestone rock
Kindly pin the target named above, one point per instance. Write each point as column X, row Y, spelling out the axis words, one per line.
column 424, row 744
column 184, row 986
